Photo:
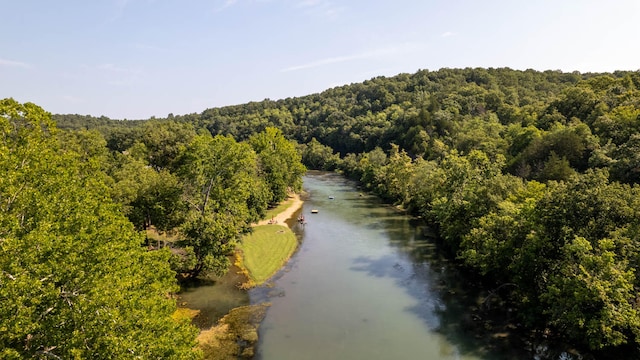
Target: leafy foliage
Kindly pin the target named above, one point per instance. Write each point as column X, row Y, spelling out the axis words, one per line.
column 279, row 161
column 74, row 281
column 529, row 178
column 224, row 194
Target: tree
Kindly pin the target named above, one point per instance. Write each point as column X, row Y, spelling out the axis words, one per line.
column 164, row 142
column 394, row 177
column 591, row 297
column 280, row 162
column 472, row 187
column 74, row 280
column 150, row 197
column 224, row 194
column 491, row 246
column 318, row 156
column 556, row 168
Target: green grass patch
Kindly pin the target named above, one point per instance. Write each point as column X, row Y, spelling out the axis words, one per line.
column 278, row 209
column 266, row 250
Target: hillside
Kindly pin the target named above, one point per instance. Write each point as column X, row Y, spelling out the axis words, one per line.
column 529, row 179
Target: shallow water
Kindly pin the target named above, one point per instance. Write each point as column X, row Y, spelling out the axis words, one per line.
column 214, row 297
column 364, row 285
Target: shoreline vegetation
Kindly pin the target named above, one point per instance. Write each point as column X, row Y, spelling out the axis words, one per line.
column 264, row 251
column 260, row 255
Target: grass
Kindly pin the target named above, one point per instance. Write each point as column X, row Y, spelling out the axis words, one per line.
column 266, row 250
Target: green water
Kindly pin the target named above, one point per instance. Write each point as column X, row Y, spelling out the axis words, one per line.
column 214, row 297
column 363, row 285
column 366, row 284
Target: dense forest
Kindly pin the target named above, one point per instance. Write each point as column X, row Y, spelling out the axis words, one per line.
column 528, row 178
column 80, row 277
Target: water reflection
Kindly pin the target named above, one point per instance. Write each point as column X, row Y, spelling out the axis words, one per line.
column 367, row 284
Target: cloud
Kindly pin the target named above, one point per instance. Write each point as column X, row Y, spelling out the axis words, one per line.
column 320, row 7
column 447, row 34
column 327, row 61
column 13, row 63
column 227, row 4
column 364, row 55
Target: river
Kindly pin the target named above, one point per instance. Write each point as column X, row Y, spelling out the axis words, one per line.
column 364, row 284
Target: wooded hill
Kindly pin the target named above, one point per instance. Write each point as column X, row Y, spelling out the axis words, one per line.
column 530, row 178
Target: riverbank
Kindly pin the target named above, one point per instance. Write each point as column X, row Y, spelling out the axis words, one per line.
column 263, row 252
column 235, row 334
column 282, row 217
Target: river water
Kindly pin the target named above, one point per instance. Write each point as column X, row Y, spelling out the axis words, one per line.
column 364, row 284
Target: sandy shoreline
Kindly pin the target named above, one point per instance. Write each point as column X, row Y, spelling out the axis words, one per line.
column 281, row 218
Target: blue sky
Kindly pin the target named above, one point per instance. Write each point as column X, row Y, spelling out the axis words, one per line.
column 135, row 59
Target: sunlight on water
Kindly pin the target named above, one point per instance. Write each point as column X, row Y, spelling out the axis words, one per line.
column 360, row 287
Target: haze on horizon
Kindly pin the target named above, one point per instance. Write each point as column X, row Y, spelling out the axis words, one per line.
column 135, row 59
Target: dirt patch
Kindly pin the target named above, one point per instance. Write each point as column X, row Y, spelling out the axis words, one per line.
column 282, row 217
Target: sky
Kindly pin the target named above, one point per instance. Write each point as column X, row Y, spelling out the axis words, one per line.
column 134, row 59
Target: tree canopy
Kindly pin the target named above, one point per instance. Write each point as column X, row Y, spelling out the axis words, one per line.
column 74, row 282
column 528, row 177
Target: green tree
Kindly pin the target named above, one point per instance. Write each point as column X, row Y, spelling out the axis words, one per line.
column 394, row 177
column 280, row 162
column 150, row 197
column 224, row 193
column 74, row 280
column 591, row 296
column 556, row 168
column 586, row 206
column 318, row 156
column 492, row 244
column 164, row 141
column 472, row 187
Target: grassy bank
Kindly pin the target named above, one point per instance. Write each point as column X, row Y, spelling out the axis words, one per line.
column 266, row 250
column 260, row 255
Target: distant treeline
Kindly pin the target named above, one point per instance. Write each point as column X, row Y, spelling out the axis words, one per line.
column 530, row 179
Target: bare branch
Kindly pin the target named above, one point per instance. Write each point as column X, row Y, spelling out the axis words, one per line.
column 47, row 352
column 9, row 276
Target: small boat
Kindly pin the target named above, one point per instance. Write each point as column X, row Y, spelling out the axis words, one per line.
column 301, row 219
column 314, row 211
column 331, row 197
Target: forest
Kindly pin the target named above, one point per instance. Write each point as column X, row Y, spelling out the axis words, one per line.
column 529, row 180
column 80, row 276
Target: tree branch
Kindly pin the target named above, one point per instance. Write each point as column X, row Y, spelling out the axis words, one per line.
column 9, row 275
column 47, row 352
column 206, row 197
column 494, row 292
